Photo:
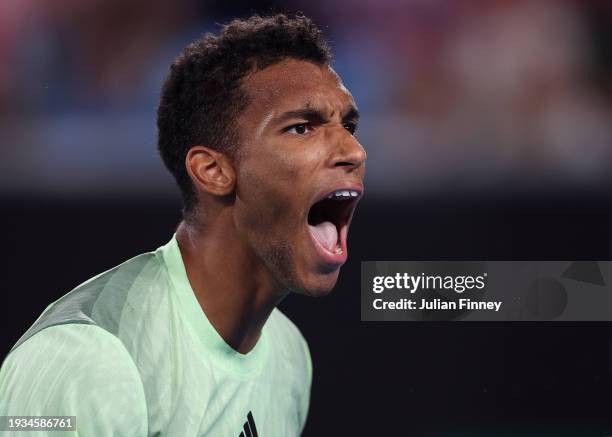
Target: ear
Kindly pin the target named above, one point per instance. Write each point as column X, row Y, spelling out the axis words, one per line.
column 210, row 171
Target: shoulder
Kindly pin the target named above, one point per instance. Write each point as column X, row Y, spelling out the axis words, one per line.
column 103, row 299
column 281, row 326
column 290, row 344
column 75, row 370
column 288, row 338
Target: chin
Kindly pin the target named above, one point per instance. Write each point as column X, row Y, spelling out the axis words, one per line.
column 317, row 285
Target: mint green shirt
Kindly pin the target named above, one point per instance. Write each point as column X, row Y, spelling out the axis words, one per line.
column 131, row 353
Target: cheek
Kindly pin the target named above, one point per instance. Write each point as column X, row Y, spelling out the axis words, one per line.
column 266, row 193
column 275, row 175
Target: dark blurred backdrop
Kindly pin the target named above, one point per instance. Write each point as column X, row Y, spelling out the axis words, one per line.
column 487, row 126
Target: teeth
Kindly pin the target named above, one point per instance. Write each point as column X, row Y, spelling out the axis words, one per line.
column 338, row 250
column 343, row 194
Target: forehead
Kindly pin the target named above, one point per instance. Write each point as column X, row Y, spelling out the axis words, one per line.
column 293, row 84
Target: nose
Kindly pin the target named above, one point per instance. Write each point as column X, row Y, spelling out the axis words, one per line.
column 348, row 152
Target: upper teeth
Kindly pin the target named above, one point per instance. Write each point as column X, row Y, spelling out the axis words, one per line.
column 343, row 194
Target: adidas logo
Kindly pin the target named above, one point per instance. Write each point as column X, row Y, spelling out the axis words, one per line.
column 249, row 427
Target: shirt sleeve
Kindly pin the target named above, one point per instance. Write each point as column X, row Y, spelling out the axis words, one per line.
column 75, row 370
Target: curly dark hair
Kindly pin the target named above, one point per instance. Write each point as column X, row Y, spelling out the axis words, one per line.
column 202, row 95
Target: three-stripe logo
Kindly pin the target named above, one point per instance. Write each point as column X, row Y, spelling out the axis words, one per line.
column 249, row 427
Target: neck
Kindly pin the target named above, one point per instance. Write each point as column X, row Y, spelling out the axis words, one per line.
column 230, row 282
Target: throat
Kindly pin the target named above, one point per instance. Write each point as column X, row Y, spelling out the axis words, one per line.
column 228, row 288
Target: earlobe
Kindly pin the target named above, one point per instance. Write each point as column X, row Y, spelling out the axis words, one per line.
column 210, row 171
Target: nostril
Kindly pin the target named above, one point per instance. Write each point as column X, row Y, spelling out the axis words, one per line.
column 343, row 163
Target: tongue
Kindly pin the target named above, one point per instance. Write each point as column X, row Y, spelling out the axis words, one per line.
column 326, row 234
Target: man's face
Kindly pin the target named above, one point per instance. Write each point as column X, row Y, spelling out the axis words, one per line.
column 296, row 149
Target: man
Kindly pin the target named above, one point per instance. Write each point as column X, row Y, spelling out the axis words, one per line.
column 258, row 131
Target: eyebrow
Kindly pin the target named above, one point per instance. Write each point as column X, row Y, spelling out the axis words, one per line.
column 315, row 116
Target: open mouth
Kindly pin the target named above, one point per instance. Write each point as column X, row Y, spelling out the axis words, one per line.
column 328, row 221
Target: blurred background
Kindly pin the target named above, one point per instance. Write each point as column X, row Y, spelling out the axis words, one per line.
column 489, row 136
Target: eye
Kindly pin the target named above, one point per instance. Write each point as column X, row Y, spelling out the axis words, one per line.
column 299, row 129
column 351, row 127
